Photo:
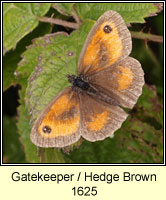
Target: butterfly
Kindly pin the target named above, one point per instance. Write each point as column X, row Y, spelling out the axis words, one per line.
column 107, row 80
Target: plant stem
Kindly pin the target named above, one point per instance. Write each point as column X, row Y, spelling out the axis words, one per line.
column 146, row 36
column 59, row 22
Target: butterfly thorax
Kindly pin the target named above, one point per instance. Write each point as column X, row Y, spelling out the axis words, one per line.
column 78, row 82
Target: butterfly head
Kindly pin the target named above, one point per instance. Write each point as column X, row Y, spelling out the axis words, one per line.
column 71, row 78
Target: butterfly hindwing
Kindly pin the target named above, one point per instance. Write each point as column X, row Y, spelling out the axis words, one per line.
column 124, row 81
column 99, row 120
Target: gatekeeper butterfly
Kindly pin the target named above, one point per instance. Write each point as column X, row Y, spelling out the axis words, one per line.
column 107, row 79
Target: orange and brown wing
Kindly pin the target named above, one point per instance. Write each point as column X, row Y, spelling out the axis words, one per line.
column 59, row 124
column 99, row 120
column 108, row 41
column 124, row 81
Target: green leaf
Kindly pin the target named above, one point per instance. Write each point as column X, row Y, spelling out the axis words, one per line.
column 24, row 128
column 12, row 149
column 64, row 8
column 18, row 20
column 51, row 155
column 9, row 66
column 12, row 58
column 131, row 12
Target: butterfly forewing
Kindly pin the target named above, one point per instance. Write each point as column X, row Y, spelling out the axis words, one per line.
column 108, row 42
column 59, row 124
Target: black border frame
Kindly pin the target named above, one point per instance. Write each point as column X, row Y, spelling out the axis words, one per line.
column 84, row 164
